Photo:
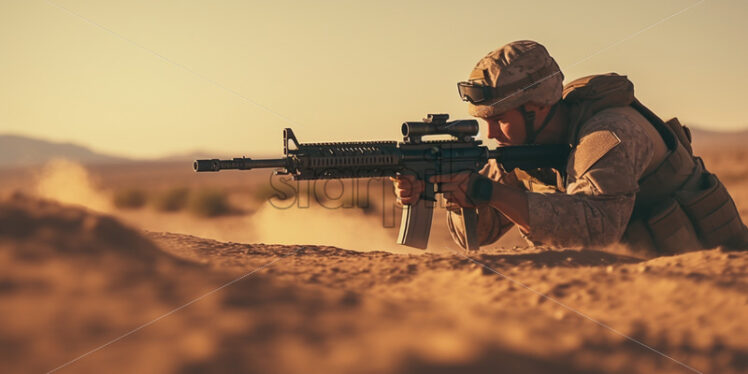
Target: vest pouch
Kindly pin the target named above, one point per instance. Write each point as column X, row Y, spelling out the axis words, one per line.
column 712, row 211
column 682, row 133
column 671, row 229
column 672, row 174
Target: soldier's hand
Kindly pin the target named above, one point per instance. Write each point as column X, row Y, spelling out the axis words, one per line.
column 455, row 187
column 408, row 188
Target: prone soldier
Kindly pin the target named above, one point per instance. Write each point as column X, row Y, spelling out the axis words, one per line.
column 630, row 177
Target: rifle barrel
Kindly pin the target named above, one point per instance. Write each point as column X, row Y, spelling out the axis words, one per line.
column 238, row 164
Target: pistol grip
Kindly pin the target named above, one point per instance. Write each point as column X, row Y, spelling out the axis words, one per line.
column 470, row 223
column 415, row 225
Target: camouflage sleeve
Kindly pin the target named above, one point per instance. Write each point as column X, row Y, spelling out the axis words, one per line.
column 492, row 224
column 602, row 182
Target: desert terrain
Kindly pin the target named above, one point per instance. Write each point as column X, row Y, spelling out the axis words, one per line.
column 149, row 267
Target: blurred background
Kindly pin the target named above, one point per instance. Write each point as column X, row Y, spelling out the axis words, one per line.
column 130, row 92
column 146, row 79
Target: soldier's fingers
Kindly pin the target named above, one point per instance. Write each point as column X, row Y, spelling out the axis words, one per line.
column 456, row 199
column 403, row 178
column 462, row 177
column 449, row 187
column 445, row 187
column 457, row 202
column 455, row 194
column 418, row 186
column 407, row 177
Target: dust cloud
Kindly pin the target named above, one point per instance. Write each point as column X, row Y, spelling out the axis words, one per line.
column 311, row 222
column 317, row 225
column 69, row 182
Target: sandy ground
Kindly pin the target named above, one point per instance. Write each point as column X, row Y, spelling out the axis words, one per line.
column 80, row 292
column 87, row 287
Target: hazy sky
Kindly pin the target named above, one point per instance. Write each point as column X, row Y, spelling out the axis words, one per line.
column 150, row 78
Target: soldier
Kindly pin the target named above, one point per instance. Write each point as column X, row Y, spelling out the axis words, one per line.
column 630, row 177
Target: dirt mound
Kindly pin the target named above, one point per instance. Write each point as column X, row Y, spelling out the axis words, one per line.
column 524, row 310
column 80, row 292
column 46, row 229
column 72, row 282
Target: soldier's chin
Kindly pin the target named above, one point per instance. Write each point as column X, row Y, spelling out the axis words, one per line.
column 503, row 143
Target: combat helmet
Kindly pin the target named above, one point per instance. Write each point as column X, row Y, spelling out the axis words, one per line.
column 510, row 77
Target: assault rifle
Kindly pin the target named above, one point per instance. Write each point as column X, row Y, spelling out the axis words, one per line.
column 414, row 155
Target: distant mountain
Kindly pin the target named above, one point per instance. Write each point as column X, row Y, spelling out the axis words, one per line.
column 708, row 138
column 18, row 150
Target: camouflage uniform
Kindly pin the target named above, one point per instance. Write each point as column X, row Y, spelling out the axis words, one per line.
column 592, row 208
column 630, row 177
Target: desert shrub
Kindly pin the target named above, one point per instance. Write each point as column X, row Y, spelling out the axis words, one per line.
column 209, row 203
column 129, row 198
column 171, row 200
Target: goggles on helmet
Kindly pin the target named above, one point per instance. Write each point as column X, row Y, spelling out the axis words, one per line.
column 474, row 92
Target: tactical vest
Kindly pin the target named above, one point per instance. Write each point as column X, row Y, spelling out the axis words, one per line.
column 680, row 206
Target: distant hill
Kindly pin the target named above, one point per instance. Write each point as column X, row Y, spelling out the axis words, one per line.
column 707, row 138
column 18, row 150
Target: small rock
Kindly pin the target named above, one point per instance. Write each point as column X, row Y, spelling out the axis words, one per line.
column 643, row 268
column 609, row 269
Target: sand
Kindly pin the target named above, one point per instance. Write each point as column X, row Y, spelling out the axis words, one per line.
column 82, row 292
